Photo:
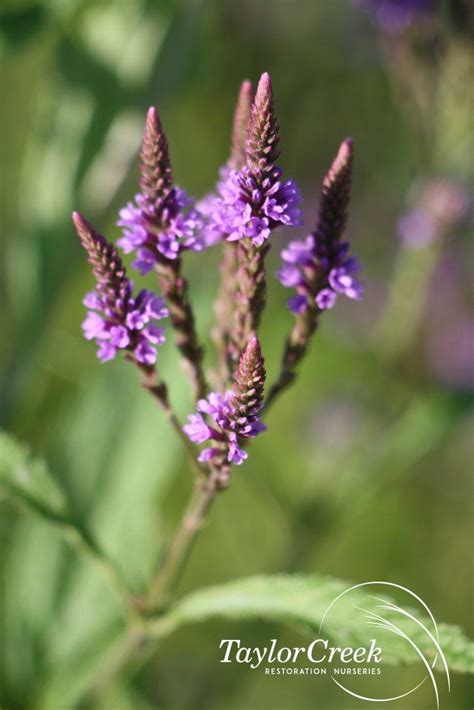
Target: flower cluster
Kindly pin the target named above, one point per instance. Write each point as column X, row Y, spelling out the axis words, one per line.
column 235, row 415
column 126, row 325
column 181, row 230
column 319, row 267
column 249, row 207
column 253, row 200
column 115, row 319
column 318, row 272
column 161, row 222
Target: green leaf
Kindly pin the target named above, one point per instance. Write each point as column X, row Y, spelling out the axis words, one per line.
column 92, row 658
column 122, row 695
column 27, row 481
column 302, row 601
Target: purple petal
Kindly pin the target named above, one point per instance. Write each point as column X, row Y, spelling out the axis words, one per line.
column 154, row 334
column 197, row 430
column 289, row 276
column 326, row 298
column 119, row 336
column 145, row 353
column 106, row 351
column 298, row 304
column 94, row 326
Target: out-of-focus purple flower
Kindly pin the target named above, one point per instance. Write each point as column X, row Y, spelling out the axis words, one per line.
column 115, row 319
column 227, row 418
column 450, row 323
column 161, row 221
column 395, row 16
column 417, row 229
column 319, row 267
column 440, row 206
column 252, row 199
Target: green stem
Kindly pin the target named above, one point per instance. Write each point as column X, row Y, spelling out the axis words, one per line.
column 164, row 584
column 295, row 349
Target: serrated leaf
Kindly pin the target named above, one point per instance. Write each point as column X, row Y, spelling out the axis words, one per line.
column 28, row 481
column 91, row 658
column 302, row 601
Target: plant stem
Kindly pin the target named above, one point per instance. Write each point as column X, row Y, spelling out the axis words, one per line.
column 224, row 310
column 141, row 635
column 295, row 348
column 175, row 289
column 165, row 582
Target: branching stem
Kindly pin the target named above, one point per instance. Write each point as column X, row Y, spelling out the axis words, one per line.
column 164, row 584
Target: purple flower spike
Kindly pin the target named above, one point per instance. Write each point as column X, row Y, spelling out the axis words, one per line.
column 234, row 416
column 160, row 223
column 159, row 226
column 318, row 267
column 116, row 320
column 252, row 198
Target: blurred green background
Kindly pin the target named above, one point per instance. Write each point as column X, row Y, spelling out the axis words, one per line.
column 365, row 470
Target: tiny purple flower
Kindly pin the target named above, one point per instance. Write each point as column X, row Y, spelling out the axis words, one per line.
column 154, row 334
column 145, row 262
column 145, row 353
column 106, row 351
column 289, row 276
column 119, row 336
column 298, row 304
column 197, row 429
column 326, row 298
column 342, row 281
column 93, row 326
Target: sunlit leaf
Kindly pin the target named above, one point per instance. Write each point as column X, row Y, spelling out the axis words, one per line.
column 302, row 602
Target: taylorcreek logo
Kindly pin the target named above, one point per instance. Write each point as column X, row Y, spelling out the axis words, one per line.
column 406, row 629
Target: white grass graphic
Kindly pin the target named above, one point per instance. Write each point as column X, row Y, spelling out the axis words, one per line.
column 375, row 620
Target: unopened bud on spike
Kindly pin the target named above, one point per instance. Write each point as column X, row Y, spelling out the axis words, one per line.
column 262, row 135
column 156, row 174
